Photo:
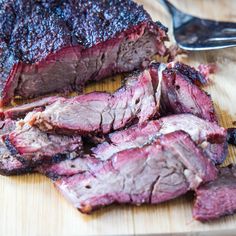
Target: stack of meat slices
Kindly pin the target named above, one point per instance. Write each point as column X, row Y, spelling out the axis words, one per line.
column 152, row 140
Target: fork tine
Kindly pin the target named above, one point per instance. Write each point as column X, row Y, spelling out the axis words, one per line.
column 207, row 46
column 229, row 30
column 222, row 39
column 223, row 33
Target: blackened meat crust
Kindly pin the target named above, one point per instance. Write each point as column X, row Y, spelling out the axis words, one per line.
column 36, row 34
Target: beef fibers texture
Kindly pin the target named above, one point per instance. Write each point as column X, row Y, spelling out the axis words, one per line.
column 57, row 46
column 209, row 137
column 158, row 89
column 35, row 146
column 158, row 172
column 9, row 163
column 136, row 102
column 22, row 148
column 21, row 111
column 217, row 198
column 180, row 94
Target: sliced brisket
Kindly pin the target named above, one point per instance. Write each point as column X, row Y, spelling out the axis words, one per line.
column 207, row 135
column 195, row 76
column 50, row 46
column 22, row 110
column 9, row 163
column 139, row 100
column 136, row 102
column 180, row 95
column 97, row 112
column 158, row 172
column 68, row 167
column 24, row 147
column 217, row 198
column 34, row 146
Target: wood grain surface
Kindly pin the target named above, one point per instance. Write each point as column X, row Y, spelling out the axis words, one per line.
column 30, row 205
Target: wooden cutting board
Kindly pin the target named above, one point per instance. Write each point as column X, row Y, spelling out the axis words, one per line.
column 30, row 205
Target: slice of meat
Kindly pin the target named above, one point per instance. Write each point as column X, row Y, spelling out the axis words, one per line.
column 20, row 111
column 135, row 102
column 164, row 170
column 31, row 146
column 51, row 46
column 195, row 76
column 34, row 146
column 68, row 167
column 216, row 198
column 180, row 95
column 207, row 135
column 9, row 164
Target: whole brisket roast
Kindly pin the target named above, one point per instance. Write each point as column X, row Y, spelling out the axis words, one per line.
column 52, row 46
column 157, row 172
column 139, row 100
column 217, row 198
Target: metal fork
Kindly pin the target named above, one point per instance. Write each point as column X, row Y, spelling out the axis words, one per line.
column 196, row 34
